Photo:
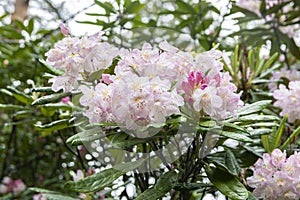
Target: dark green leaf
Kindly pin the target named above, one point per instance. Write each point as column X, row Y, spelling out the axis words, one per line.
column 49, row 98
column 11, row 107
column 55, row 125
column 290, row 42
column 226, row 183
column 30, row 26
column 231, row 163
column 164, row 184
column 102, row 179
column 248, row 13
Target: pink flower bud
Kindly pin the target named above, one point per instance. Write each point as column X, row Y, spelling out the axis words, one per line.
column 64, row 29
column 65, row 99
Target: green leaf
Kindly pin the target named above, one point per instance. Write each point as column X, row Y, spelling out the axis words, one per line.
column 248, row 13
column 42, row 89
column 55, row 125
column 261, row 131
column 84, row 136
column 30, row 26
column 20, row 24
column 11, row 107
column 266, row 65
column 51, row 195
column 58, row 197
column 49, row 98
column 230, row 127
column 164, row 184
column 231, row 163
column 276, row 8
column 256, row 117
column 185, row 7
column 290, row 42
column 97, row 75
column 275, row 137
column 108, row 7
column 251, row 196
column 254, row 107
column 290, row 139
column 133, row 7
column 51, row 69
column 102, row 179
column 236, row 136
column 20, row 96
column 226, row 183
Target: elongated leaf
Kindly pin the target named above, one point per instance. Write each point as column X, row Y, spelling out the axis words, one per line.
column 51, row 195
column 263, row 66
column 30, row 26
column 85, row 136
column 290, row 139
column 49, row 98
column 133, row 7
column 102, row 179
column 20, row 96
column 55, row 125
column 226, row 183
column 51, row 69
column 236, row 136
column 261, row 131
column 254, row 107
column 58, row 197
column 230, row 127
column 276, row 135
column 255, row 118
column 231, row 163
column 290, row 42
column 248, row 13
column 106, row 6
column 185, row 7
column 11, row 107
column 164, row 184
column 42, row 89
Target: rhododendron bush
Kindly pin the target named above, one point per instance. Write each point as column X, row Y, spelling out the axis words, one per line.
column 140, row 112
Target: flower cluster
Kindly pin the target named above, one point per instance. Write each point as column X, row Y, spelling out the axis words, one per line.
column 288, row 100
column 147, row 85
column 78, row 57
column 276, row 176
column 290, row 75
column 12, row 186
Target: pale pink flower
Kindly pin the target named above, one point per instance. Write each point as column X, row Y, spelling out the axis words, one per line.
column 18, row 187
column 78, row 175
column 288, row 100
column 207, row 100
column 39, row 197
column 276, row 176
